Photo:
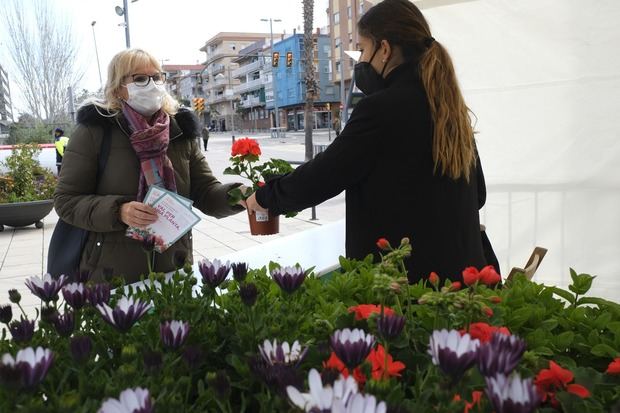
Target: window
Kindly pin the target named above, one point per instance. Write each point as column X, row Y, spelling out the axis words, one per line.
column 336, row 42
column 337, row 18
column 349, row 15
column 350, row 39
column 338, row 66
column 329, row 90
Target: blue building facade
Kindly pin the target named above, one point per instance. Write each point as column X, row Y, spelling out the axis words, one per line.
column 290, row 86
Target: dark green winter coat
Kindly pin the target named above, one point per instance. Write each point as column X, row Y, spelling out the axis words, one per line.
column 80, row 202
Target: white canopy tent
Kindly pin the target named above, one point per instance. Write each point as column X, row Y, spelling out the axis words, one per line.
column 543, row 79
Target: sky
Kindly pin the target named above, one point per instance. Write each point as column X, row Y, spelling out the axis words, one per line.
column 172, row 30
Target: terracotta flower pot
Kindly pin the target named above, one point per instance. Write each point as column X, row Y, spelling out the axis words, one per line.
column 263, row 224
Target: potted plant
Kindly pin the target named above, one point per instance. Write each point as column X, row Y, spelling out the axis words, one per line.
column 244, row 157
column 26, row 188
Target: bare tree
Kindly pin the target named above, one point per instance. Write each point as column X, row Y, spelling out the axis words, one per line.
column 309, row 79
column 43, row 50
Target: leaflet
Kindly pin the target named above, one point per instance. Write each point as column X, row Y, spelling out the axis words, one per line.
column 176, row 218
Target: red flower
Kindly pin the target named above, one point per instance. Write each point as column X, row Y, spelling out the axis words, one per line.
column 476, row 396
column 260, row 184
column 245, row 146
column 495, row 300
column 363, row 311
column 379, row 370
column 489, row 276
column 455, row 286
column 484, row 331
column 335, row 363
column 471, row 275
column 614, row 367
column 433, row 278
column 555, row 378
column 488, row 311
column 383, row 244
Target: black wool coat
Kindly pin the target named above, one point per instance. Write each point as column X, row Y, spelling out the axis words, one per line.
column 383, row 159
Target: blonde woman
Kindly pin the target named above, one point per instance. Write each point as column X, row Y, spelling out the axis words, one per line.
column 152, row 142
column 406, row 158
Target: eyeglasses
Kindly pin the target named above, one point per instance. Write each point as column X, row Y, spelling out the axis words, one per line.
column 143, row 80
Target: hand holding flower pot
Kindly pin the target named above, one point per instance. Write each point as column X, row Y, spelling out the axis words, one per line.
column 244, row 156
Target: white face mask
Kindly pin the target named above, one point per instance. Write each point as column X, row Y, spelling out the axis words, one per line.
column 145, row 100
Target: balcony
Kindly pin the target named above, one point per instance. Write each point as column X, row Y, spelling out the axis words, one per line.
column 245, row 69
column 250, row 102
column 215, row 69
column 249, row 86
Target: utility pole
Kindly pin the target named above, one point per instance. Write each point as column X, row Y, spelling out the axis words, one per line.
column 97, row 55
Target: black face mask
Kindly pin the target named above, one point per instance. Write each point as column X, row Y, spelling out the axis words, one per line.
column 366, row 77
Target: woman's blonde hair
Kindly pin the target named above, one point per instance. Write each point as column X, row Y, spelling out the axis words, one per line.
column 122, row 65
column 402, row 24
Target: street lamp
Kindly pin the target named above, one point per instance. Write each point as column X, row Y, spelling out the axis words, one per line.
column 92, row 25
column 124, row 11
column 273, row 77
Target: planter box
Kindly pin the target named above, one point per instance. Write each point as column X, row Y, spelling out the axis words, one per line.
column 22, row 214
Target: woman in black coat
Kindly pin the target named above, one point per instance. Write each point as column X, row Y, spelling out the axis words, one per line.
column 406, row 158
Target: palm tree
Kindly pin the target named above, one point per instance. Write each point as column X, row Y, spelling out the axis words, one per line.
column 310, row 81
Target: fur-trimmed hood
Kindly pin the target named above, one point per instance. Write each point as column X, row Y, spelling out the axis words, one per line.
column 184, row 121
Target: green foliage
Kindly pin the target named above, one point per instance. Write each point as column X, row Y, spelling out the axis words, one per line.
column 25, row 179
column 582, row 337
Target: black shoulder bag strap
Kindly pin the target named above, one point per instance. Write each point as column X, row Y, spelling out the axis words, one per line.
column 68, row 241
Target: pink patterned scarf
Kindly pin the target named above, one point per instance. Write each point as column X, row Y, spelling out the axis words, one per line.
column 150, row 141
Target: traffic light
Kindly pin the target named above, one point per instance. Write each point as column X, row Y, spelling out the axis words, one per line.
column 289, row 59
column 275, row 59
column 199, row 104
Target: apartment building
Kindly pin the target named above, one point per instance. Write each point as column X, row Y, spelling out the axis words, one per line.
column 255, row 85
column 290, row 85
column 342, row 17
column 6, row 107
column 221, row 52
column 184, row 82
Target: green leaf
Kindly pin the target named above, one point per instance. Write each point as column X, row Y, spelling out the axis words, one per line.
column 543, row 351
column 564, row 294
column 603, row 350
column 563, row 340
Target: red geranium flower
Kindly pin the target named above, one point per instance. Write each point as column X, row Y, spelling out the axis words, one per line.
column 433, row 278
column 484, row 332
column 377, row 359
column 363, row 311
column 614, row 367
column 487, row 275
column 555, row 378
column 383, row 244
column 335, row 363
column 245, row 146
column 455, row 286
column 476, row 396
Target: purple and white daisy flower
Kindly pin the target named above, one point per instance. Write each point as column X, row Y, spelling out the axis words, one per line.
column 98, row 294
column 125, row 314
column 213, row 272
column 390, row 326
column 135, row 400
column 173, row 333
column 64, row 323
column 512, row 394
column 322, row 398
column 359, row 403
column 453, row 353
column 22, row 330
column 500, row 355
column 46, row 287
column 274, row 353
column 29, row 364
column 352, row 346
column 75, row 295
column 289, row 279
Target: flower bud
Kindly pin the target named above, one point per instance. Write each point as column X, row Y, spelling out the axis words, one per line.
column 404, row 241
column 495, row 299
column 14, row 296
column 128, row 352
column 6, row 314
column 220, row 384
column 383, row 244
column 433, row 278
column 248, row 293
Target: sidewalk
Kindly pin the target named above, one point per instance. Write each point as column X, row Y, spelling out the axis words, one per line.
column 23, row 251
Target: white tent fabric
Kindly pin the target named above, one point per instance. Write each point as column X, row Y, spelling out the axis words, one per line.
column 543, row 78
